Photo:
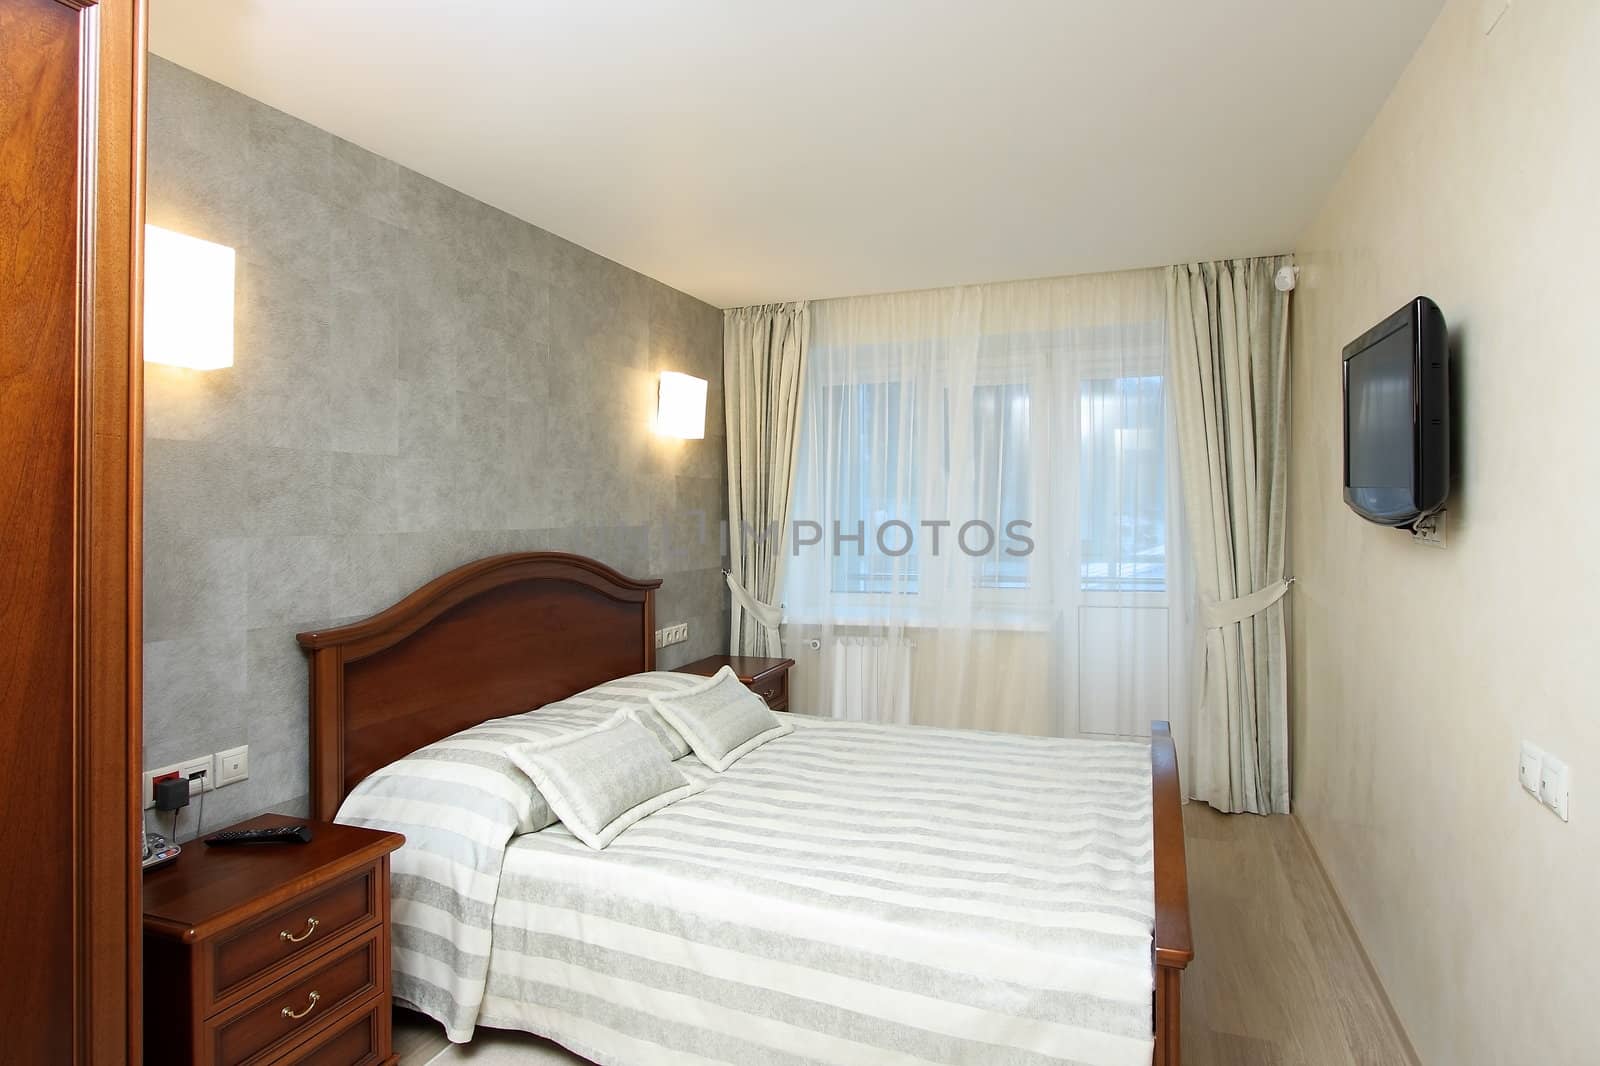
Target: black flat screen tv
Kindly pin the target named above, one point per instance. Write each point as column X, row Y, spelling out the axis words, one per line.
column 1397, row 417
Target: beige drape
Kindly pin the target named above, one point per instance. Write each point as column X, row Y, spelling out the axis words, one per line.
column 763, row 363
column 1230, row 362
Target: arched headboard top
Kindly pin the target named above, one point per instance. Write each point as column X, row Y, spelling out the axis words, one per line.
column 493, row 637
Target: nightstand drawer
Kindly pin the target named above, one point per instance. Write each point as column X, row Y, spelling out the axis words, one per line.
column 299, row 1004
column 293, row 930
column 229, row 944
column 775, row 690
column 350, row 1043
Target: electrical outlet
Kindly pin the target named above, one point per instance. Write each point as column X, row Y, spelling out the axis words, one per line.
column 182, row 769
column 232, row 765
column 1529, row 768
column 672, row 635
column 1553, row 785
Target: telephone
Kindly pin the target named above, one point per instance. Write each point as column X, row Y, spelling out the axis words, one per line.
column 157, row 851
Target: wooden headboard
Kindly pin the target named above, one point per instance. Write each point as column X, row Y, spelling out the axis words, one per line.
column 491, row 638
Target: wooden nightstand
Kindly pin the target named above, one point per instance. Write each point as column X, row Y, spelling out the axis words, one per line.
column 767, row 678
column 270, row 953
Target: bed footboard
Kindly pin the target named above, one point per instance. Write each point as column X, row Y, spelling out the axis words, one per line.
column 1172, row 948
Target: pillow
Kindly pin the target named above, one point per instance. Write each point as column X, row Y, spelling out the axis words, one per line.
column 635, row 691
column 602, row 780
column 470, row 771
column 721, row 719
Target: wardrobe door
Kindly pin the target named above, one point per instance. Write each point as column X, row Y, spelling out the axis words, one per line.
column 71, row 126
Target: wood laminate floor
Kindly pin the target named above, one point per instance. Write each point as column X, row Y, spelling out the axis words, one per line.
column 1278, row 979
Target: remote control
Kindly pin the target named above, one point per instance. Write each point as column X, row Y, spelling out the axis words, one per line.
column 278, row 834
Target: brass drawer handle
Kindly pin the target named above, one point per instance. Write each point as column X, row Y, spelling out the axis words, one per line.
column 289, row 1012
column 311, row 927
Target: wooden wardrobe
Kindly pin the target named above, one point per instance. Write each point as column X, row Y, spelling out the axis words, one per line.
column 71, row 219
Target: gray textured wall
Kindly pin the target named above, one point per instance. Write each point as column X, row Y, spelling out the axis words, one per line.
column 419, row 380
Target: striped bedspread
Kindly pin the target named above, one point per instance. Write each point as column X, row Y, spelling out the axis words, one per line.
column 850, row 894
column 459, row 802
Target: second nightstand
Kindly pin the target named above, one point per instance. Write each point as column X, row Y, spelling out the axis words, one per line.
column 271, row 953
column 767, row 678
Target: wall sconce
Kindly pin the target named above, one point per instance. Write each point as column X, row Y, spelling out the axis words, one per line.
column 681, row 406
column 188, row 301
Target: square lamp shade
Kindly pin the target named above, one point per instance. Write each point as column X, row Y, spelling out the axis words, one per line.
column 188, row 301
column 681, row 406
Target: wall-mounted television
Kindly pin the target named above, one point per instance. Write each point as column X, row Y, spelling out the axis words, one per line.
column 1397, row 417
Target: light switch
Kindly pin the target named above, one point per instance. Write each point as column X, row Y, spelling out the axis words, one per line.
column 1532, row 766
column 1553, row 785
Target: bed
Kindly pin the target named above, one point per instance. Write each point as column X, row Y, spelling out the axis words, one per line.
column 851, row 893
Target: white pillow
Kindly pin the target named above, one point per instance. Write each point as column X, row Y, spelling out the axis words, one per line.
column 722, row 720
column 602, row 780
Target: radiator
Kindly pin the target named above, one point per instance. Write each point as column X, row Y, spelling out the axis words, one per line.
column 869, row 678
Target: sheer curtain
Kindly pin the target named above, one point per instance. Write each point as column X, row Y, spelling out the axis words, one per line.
column 986, row 525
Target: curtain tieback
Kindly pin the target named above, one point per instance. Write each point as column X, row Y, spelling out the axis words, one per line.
column 767, row 614
column 1219, row 614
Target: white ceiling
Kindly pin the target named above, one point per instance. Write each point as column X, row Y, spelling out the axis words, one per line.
column 781, row 149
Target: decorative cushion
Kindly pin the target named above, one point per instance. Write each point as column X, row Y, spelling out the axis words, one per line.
column 602, row 780
column 722, row 720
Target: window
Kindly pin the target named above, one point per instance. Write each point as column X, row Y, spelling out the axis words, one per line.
column 1000, row 434
column 874, row 443
column 874, row 428
column 878, row 432
column 1122, row 488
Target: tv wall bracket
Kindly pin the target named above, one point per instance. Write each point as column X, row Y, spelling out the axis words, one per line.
column 1429, row 529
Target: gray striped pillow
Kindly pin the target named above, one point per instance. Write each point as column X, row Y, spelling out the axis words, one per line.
column 602, row 780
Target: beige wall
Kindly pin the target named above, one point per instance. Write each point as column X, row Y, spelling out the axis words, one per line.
column 1415, row 671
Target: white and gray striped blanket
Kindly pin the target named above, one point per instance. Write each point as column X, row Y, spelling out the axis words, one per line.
column 459, row 802
column 848, row 894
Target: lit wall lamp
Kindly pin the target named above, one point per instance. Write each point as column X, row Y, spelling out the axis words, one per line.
column 188, row 301
column 681, row 406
